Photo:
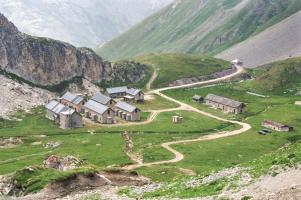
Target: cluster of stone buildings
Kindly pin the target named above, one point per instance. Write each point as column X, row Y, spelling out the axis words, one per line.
column 101, row 108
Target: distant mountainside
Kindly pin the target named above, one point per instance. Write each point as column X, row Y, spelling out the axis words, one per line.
column 46, row 62
column 80, row 22
column 278, row 42
column 206, row 26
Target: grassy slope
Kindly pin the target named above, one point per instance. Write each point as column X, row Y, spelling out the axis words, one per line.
column 186, row 27
column 172, row 67
column 283, row 76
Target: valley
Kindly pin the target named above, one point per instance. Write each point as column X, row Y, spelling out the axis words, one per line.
column 201, row 100
column 183, row 139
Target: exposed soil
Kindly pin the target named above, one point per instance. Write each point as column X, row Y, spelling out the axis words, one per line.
column 81, row 184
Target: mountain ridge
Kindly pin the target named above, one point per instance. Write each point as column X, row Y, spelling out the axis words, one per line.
column 44, row 61
column 199, row 27
column 81, row 23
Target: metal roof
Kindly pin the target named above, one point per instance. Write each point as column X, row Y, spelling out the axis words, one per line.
column 69, row 111
column 76, row 99
column 117, row 90
column 223, row 101
column 96, row 107
column 125, row 106
column 133, row 91
column 56, row 107
column 52, row 104
column 59, row 108
column 100, row 98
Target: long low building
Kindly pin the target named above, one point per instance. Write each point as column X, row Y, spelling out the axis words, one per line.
column 62, row 114
column 99, row 112
column 225, row 104
column 127, row 112
column 129, row 94
column 276, row 126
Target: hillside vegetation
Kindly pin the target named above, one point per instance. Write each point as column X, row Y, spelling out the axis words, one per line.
column 172, row 67
column 276, row 43
column 283, row 76
column 200, row 26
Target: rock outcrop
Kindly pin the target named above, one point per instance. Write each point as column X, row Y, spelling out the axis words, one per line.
column 44, row 61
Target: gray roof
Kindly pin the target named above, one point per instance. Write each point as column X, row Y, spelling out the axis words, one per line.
column 125, row 106
column 133, row 91
column 52, row 104
column 100, row 98
column 117, row 90
column 96, row 107
column 223, row 101
column 76, row 99
column 56, row 107
column 69, row 111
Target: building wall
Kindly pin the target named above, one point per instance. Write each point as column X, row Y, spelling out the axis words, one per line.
column 133, row 116
column 77, row 108
column 276, row 128
column 71, row 121
column 100, row 118
column 51, row 115
column 224, row 108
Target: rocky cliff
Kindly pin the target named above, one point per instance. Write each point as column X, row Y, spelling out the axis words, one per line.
column 45, row 61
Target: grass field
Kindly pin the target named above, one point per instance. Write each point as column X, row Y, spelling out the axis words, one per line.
column 256, row 152
column 172, row 67
column 156, row 103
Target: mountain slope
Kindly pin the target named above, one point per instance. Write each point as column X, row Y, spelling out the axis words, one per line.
column 200, row 26
column 276, row 43
column 179, row 69
column 279, row 76
column 45, row 62
column 80, row 22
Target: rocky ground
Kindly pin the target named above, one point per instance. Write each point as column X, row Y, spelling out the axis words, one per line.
column 15, row 96
column 285, row 186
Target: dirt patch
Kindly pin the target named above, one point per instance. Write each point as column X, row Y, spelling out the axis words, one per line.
column 81, row 182
column 10, row 142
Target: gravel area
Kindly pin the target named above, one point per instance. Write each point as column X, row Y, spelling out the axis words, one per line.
column 15, row 96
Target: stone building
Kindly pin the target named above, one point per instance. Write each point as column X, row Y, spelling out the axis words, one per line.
column 127, row 112
column 70, row 119
column 75, row 101
column 134, row 95
column 104, row 100
column 63, row 115
column 99, row 113
column 276, row 126
column 224, row 104
column 128, row 94
column 54, row 108
column 117, row 92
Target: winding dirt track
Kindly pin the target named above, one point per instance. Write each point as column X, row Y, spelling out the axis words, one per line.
column 183, row 106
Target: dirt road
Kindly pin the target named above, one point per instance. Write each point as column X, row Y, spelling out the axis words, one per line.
column 179, row 156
